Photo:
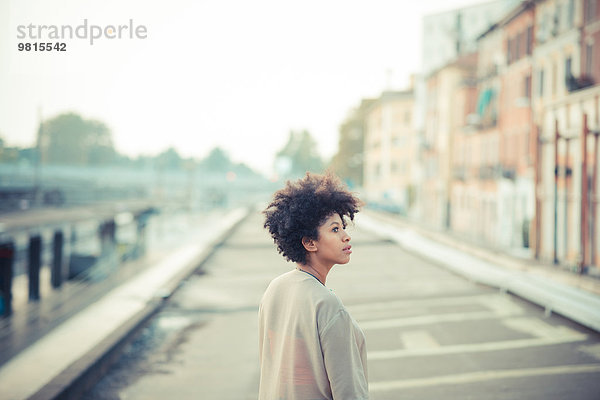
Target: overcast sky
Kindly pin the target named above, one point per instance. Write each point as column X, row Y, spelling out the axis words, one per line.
column 237, row 74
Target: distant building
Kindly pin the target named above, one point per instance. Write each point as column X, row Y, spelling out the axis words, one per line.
column 450, row 100
column 517, row 137
column 448, row 35
column 390, row 151
column 476, row 166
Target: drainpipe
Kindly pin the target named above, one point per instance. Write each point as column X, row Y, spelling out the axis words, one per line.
column 538, row 203
column 584, row 197
column 556, row 137
column 567, row 185
column 594, row 202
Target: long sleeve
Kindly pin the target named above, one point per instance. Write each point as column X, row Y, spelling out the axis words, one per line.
column 344, row 354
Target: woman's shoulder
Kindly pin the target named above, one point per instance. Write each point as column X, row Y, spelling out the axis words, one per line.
column 304, row 289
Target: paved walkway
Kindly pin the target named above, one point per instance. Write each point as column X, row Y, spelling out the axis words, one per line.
column 431, row 333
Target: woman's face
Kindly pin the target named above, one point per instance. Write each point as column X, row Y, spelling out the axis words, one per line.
column 333, row 246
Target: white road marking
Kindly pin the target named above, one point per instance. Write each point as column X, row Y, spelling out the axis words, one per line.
column 592, row 350
column 427, row 302
column 537, row 327
column 473, row 377
column 418, row 340
column 502, row 305
column 475, row 347
column 427, row 320
column 498, row 305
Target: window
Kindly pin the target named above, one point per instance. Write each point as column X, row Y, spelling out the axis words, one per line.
column 589, row 13
column 518, row 47
column 554, row 78
column 588, row 60
column 527, row 87
column 543, row 30
column 541, row 83
column 458, row 31
column 529, row 40
column 557, row 20
column 508, row 51
column 571, row 14
column 568, row 72
column 570, row 82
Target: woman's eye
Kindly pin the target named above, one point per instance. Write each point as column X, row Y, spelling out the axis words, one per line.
column 336, row 229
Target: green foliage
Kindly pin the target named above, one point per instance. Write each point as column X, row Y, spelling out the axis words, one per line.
column 169, row 159
column 348, row 162
column 299, row 155
column 8, row 155
column 217, row 160
column 69, row 139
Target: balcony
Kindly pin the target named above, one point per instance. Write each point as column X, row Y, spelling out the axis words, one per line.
column 573, row 84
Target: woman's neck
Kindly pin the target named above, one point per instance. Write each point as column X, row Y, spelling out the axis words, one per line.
column 318, row 272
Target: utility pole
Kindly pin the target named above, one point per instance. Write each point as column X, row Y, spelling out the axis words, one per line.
column 37, row 189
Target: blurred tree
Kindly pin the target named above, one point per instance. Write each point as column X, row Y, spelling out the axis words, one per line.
column 169, row 159
column 244, row 170
column 70, row 139
column 101, row 150
column 27, row 155
column 298, row 156
column 8, row 155
column 217, row 160
column 348, row 162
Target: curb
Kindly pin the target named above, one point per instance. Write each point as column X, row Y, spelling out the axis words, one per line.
column 80, row 376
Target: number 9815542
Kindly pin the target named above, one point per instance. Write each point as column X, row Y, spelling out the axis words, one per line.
column 42, row 46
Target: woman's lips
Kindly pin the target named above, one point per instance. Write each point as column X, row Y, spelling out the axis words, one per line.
column 347, row 249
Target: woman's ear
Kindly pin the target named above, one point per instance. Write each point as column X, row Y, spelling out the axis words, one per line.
column 309, row 244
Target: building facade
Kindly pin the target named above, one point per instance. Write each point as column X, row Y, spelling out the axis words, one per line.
column 506, row 141
column 450, row 99
column 517, row 138
column 449, row 35
column 565, row 111
column 477, row 156
column 390, row 151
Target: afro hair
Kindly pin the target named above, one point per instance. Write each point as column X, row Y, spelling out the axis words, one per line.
column 298, row 210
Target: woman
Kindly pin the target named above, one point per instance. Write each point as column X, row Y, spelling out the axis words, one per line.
column 309, row 346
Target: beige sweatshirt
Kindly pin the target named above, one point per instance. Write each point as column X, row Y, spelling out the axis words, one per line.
column 309, row 346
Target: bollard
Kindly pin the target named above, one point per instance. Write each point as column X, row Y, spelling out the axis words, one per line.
column 35, row 258
column 7, row 257
column 140, row 245
column 57, row 259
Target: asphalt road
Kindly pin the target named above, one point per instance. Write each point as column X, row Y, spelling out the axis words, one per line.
column 430, row 334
